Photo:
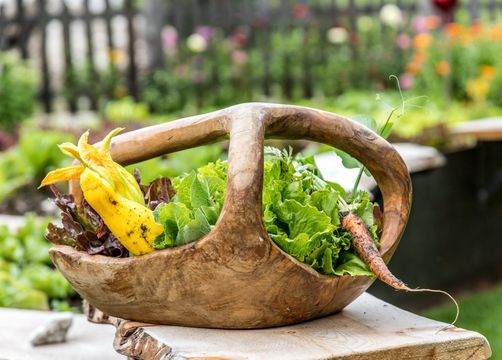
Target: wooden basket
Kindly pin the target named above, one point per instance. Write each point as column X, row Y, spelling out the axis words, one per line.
column 236, row 277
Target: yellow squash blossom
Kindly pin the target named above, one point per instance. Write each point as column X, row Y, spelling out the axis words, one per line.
column 111, row 191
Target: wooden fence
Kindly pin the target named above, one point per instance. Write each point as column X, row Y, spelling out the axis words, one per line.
column 24, row 21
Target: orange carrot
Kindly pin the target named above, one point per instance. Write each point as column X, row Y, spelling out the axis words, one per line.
column 365, row 247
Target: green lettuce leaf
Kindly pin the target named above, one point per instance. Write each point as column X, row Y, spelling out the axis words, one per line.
column 181, row 224
column 300, row 211
column 303, row 218
column 352, row 265
column 327, row 201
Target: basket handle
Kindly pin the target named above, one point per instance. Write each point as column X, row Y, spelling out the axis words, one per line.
column 248, row 125
column 251, row 123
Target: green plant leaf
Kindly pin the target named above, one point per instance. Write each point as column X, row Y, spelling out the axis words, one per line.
column 199, row 193
column 367, row 121
column 194, row 229
column 173, row 216
column 387, row 130
column 326, row 201
column 303, row 218
column 352, row 265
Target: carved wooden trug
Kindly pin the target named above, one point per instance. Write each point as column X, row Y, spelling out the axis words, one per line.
column 236, row 277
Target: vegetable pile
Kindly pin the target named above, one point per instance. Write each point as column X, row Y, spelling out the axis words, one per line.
column 120, row 216
column 300, row 210
column 309, row 218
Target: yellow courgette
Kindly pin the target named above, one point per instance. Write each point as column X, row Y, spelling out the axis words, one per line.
column 131, row 223
column 111, row 191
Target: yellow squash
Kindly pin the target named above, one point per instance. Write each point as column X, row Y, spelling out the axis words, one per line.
column 112, row 192
column 133, row 224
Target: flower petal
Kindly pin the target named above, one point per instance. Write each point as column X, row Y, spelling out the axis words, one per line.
column 64, row 174
column 71, row 150
column 104, row 148
column 89, row 153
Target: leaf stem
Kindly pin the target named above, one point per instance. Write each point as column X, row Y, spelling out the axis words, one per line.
column 362, row 168
column 356, row 183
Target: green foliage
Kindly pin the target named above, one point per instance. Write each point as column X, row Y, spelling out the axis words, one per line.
column 28, row 162
column 480, row 312
column 26, row 278
column 302, row 215
column 126, row 110
column 286, row 64
column 177, row 163
column 301, row 212
column 195, row 208
column 18, row 84
column 461, row 63
column 421, row 113
column 80, row 81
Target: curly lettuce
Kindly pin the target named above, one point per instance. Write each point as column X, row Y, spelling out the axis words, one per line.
column 301, row 212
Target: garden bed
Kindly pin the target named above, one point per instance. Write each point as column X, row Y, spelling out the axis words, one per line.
column 452, row 239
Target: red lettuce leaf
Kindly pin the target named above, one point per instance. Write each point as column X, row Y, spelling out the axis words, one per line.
column 84, row 229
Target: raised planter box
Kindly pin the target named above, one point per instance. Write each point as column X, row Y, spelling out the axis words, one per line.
column 453, row 239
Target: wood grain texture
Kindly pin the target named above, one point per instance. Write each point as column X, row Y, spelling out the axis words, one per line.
column 236, row 277
column 367, row 329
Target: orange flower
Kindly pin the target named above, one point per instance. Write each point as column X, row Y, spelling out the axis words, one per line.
column 419, row 56
column 487, row 72
column 442, row 68
column 453, row 30
column 496, row 32
column 476, row 29
column 432, row 22
column 422, row 40
column 413, row 68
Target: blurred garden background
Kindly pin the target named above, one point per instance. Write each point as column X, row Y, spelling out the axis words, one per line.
column 71, row 65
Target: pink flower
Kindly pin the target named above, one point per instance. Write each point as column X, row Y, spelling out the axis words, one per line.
column 406, row 81
column 403, row 41
column 205, row 31
column 169, row 37
column 239, row 39
column 419, row 24
column 300, row 11
column 239, row 57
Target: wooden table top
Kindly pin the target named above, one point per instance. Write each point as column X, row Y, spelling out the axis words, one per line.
column 484, row 129
column 84, row 341
column 368, row 328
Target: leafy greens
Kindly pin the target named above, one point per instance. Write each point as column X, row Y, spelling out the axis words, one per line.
column 301, row 212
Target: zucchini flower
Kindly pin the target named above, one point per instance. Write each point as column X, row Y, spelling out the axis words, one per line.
column 111, row 191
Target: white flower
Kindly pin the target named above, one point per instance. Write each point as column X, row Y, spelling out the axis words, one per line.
column 337, row 35
column 197, row 43
column 391, row 15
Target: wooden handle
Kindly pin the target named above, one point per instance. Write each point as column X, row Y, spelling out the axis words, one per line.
column 374, row 152
column 248, row 125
